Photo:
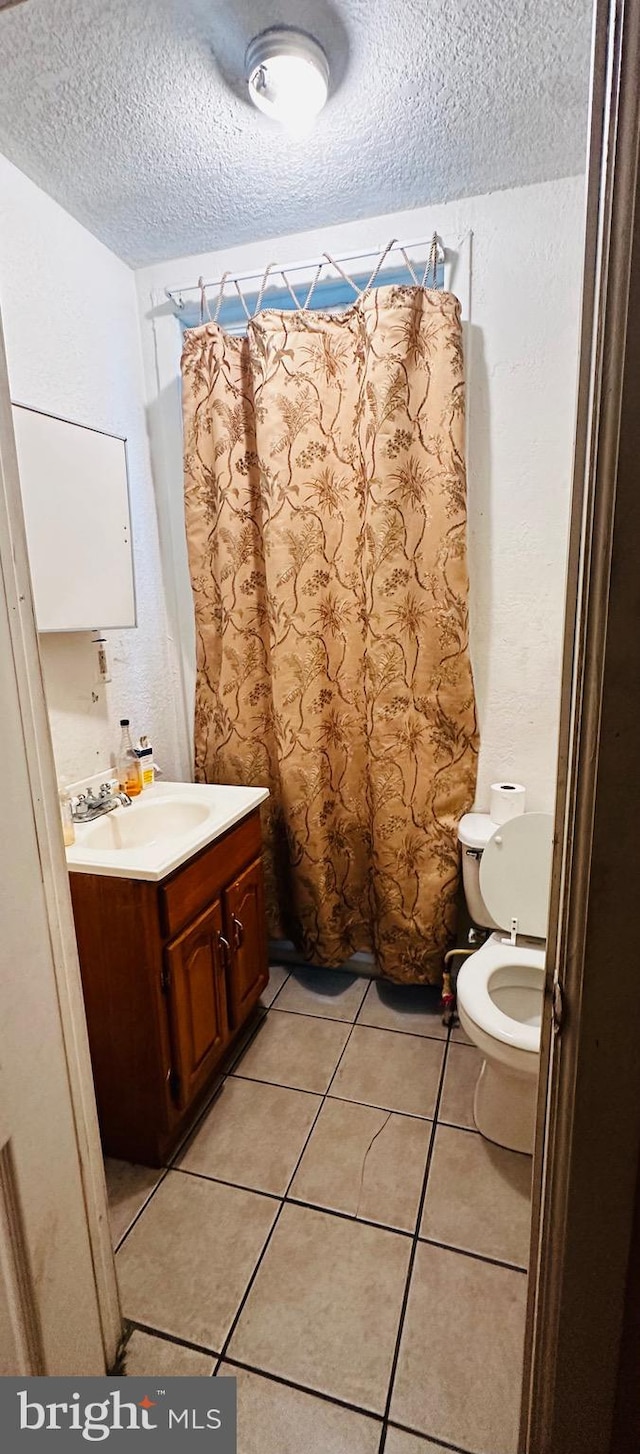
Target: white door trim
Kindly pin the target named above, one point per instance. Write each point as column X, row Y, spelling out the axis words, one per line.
column 44, row 800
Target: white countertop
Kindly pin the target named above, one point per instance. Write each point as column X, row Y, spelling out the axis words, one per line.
column 162, row 828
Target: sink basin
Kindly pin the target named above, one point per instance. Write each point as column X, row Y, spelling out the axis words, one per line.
column 160, row 830
column 149, row 823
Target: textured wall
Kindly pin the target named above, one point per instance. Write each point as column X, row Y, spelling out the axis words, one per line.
column 522, row 365
column 73, row 346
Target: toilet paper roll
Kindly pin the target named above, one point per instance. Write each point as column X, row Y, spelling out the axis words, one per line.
column 507, row 801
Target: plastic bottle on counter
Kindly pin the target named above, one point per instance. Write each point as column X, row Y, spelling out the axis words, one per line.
column 128, row 765
column 68, row 829
column 144, row 754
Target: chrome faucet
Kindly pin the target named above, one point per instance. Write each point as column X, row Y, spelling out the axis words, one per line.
column 87, row 806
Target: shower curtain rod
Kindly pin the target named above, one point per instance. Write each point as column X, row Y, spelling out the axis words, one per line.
column 175, row 294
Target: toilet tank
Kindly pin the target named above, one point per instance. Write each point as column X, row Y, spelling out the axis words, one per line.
column 474, row 832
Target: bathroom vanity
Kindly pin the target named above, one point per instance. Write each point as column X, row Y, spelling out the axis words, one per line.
column 168, row 900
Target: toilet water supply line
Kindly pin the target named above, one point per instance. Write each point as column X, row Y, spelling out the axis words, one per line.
column 448, row 999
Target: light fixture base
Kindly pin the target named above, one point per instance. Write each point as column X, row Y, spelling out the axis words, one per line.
column 287, row 74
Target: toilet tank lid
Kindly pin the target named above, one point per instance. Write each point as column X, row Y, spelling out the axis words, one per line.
column 475, row 830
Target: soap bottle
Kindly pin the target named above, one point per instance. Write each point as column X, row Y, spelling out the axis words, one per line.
column 128, row 766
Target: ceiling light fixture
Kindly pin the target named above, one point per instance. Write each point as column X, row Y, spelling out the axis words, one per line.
column 288, row 77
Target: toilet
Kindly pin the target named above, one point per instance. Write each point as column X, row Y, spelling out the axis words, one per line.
column 506, row 875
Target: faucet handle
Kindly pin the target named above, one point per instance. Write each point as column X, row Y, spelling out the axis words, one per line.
column 105, row 791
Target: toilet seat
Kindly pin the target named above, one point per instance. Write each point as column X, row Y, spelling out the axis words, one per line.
column 508, row 966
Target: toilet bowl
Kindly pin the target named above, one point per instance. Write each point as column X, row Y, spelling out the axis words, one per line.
column 506, row 871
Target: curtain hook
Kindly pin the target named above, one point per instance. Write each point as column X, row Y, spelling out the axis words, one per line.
column 241, row 296
column 432, row 262
column 221, row 289
column 313, row 286
column 203, row 300
column 341, row 271
column 263, row 285
column 376, row 270
column 287, row 284
column 409, row 266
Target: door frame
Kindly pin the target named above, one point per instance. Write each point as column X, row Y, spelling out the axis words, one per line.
column 43, row 807
column 588, row 1134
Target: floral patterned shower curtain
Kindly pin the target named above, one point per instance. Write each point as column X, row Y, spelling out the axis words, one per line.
column 326, row 519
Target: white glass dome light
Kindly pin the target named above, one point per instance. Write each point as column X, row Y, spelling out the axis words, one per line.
column 288, row 77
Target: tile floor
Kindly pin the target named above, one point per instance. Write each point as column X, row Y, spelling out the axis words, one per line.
column 336, row 1234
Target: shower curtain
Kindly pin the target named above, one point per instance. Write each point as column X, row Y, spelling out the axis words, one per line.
column 326, row 520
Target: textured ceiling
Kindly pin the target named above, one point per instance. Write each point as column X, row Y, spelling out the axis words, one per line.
column 132, row 113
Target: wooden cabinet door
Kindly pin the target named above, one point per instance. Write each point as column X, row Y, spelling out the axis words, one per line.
column 247, row 934
column 195, row 984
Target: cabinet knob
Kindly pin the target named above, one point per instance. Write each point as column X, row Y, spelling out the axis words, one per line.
column 224, row 943
column 238, row 930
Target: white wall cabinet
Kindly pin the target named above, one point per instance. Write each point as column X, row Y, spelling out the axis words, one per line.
column 76, row 506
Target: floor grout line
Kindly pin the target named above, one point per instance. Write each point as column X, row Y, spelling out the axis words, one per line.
column 280, row 987
column 294, row 1201
column 358, row 1024
column 413, row 1252
column 134, row 1326
column 428, row 1438
column 230, row 1071
column 289, row 1199
column 324, row 1096
column 476, row 1256
column 303, row 1388
column 309, row 1015
column 345, row 1100
column 278, row 1084
column 234, row 1054
column 256, row 1191
column 163, row 1174
column 279, row 1212
column 171, row 1165
column 298, row 1201
column 410, row 1115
